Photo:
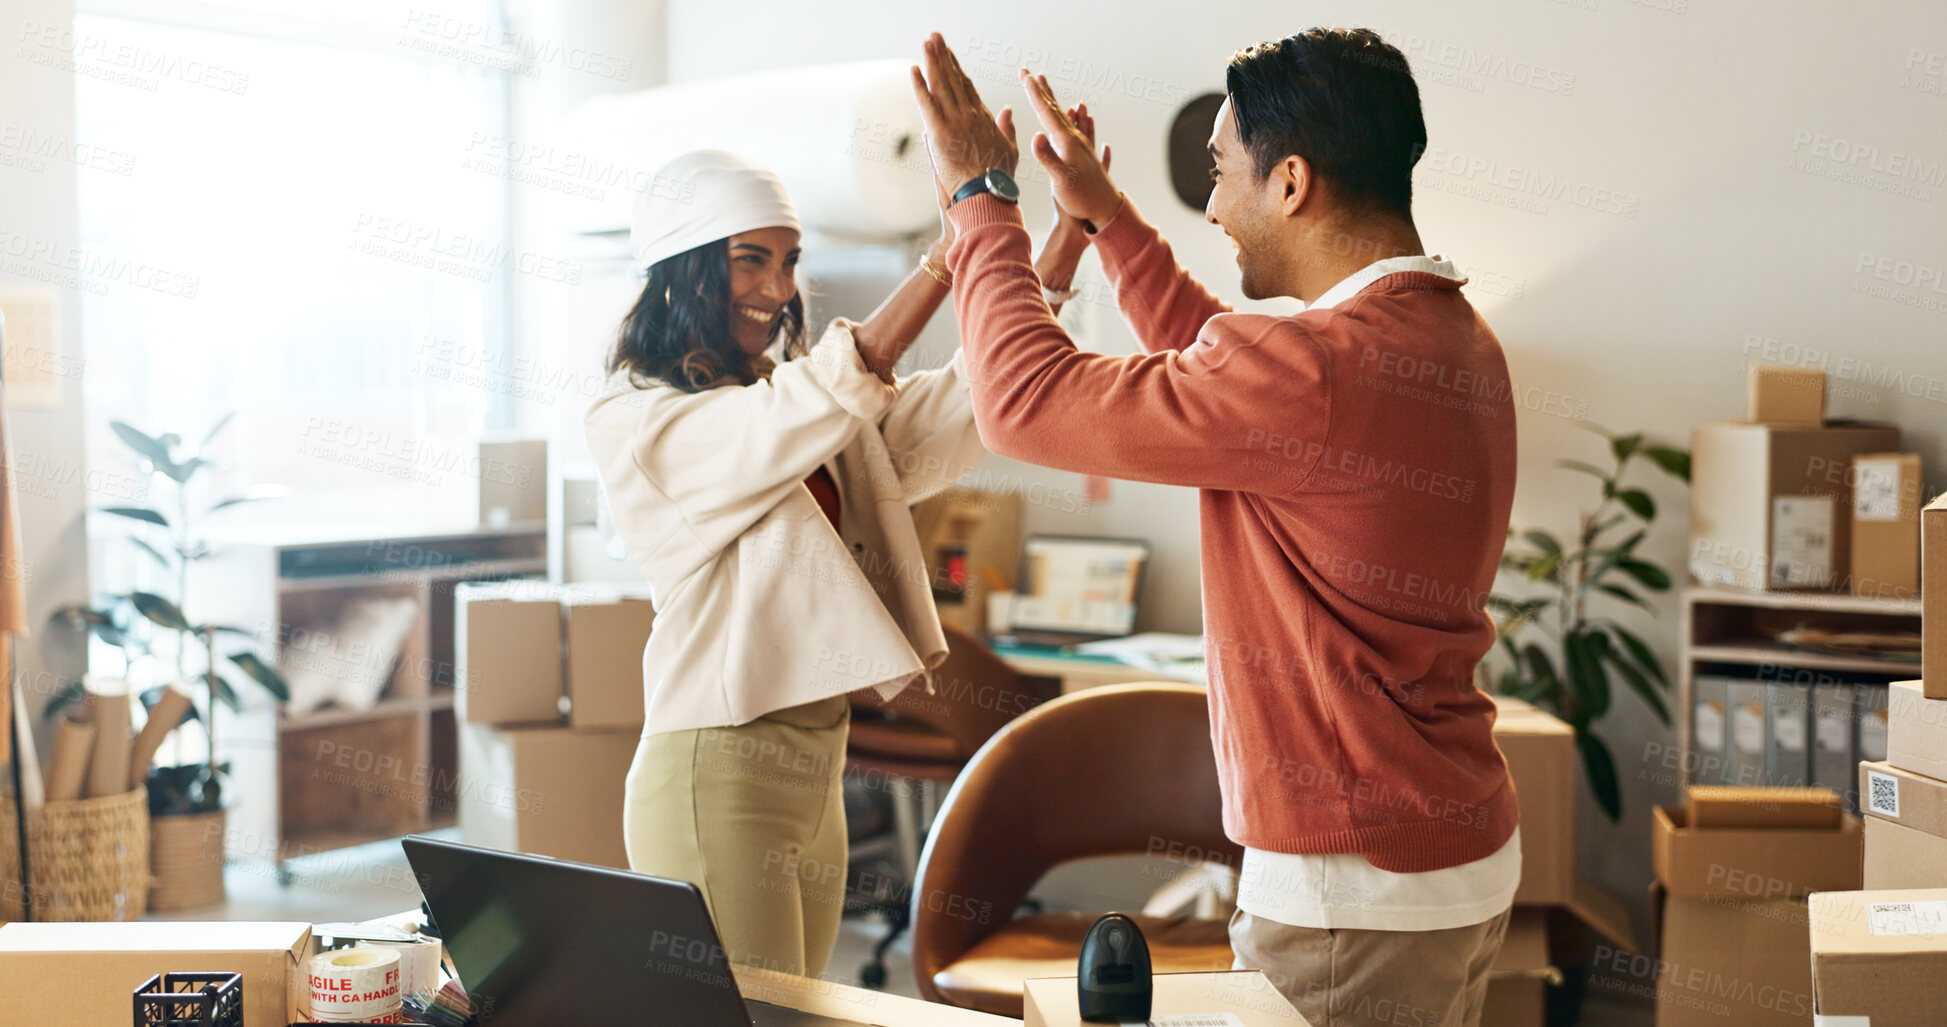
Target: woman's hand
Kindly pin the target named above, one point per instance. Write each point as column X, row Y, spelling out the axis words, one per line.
column 1068, row 227
column 938, row 253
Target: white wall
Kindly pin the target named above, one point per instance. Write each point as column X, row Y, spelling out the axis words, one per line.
column 37, row 212
column 1699, row 118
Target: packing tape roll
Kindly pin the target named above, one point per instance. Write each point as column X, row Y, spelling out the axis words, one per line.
column 419, row 963
column 355, row 984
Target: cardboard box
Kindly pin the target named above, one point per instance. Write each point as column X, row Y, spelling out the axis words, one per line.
column 1541, row 756
column 1792, row 396
column 552, row 791
column 1916, row 730
column 1906, row 827
column 1886, row 525
column 1879, row 957
column 1770, row 505
column 83, row 974
column 1933, row 619
column 1517, row 986
column 1728, row 962
column 1753, row 863
column 1898, row 856
column 606, row 632
column 513, row 481
column 507, row 652
column 1723, row 806
column 1246, row 994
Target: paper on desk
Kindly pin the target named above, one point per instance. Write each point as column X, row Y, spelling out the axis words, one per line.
column 1177, row 656
column 1189, row 1020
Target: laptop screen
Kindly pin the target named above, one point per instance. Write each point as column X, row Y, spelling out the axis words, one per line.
column 1079, row 584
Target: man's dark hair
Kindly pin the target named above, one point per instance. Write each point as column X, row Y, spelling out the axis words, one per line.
column 1343, row 99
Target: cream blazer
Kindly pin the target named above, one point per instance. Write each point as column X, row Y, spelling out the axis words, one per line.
column 760, row 605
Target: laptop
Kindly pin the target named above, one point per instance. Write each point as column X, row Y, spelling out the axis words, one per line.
column 542, row 940
column 1075, row 588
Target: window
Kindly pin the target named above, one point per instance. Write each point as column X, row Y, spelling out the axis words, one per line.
column 285, row 224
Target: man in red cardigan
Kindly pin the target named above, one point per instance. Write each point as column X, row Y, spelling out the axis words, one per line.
column 1356, row 466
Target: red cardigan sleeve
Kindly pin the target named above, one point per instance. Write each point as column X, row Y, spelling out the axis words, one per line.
column 1244, row 406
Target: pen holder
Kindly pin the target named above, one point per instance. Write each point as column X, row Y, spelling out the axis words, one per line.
column 190, row 1000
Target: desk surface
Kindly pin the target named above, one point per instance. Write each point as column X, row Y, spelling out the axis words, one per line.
column 1074, row 670
column 845, row 1002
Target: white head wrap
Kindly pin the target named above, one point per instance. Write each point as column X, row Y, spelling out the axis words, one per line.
column 703, row 196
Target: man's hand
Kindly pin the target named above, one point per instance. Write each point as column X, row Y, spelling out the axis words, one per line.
column 1067, row 152
column 962, row 138
column 1067, row 225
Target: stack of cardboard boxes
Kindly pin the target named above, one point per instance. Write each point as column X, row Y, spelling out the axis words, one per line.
column 1879, row 956
column 1789, row 500
column 1733, row 869
column 549, row 702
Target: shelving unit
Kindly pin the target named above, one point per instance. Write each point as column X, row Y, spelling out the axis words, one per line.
column 1729, row 627
column 337, row 777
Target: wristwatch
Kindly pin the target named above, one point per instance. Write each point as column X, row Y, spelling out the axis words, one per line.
column 995, row 181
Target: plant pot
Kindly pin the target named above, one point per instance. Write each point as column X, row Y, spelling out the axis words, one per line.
column 186, row 860
column 88, row 858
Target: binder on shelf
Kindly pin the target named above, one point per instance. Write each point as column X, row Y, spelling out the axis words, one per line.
column 1710, row 729
column 1788, row 723
column 1746, row 751
column 1833, row 762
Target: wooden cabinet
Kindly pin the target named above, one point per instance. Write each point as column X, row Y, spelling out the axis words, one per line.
column 337, row 777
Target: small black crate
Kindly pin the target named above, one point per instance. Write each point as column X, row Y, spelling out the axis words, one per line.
column 190, row 1000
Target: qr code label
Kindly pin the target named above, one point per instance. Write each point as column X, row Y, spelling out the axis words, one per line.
column 1883, row 794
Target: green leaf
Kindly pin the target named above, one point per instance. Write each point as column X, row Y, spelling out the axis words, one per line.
column 147, row 446
column 1543, row 541
column 1601, row 767
column 1675, row 461
column 1640, row 685
column 255, row 494
column 1540, row 666
column 159, row 610
column 1640, row 651
column 138, row 513
column 1623, row 594
column 186, row 470
column 1624, row 446
column 1543, row 568
column 223, row 692
column 1648, row 575
column 263, row 673
column 1585, row 468
column 1582, row 655
column 1639, row 503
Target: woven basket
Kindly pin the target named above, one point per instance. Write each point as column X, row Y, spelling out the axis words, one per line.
column 89, row 858
column 187, row 861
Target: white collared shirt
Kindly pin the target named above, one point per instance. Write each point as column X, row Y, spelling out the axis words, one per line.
column 1344, row 890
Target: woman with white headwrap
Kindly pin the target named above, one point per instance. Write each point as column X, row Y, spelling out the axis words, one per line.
column 763, row 488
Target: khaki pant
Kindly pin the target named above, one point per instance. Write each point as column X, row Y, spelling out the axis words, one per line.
column 1353, row 978
column 754, row 815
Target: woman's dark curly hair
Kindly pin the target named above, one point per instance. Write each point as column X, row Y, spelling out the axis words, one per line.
column 679, row 330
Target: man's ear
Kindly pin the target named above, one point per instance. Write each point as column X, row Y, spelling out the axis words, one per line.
column 1294, row 177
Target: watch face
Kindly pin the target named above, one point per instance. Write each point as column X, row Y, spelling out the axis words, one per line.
column 1001, row 184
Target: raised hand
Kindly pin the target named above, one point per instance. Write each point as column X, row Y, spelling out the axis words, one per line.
column 1080, row 180
column 962, row 138
column 1084, row 122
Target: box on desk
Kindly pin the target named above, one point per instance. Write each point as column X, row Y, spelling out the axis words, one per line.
column 1916, row 730
column 552, row 791
column 1771, row 505
column 1906, row 827
column 1540, row 752
column 85, row 974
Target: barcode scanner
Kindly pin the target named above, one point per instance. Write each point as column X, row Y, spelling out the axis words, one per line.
column 1112, row 978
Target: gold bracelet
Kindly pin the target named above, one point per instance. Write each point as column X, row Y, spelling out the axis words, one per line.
column 940, row 274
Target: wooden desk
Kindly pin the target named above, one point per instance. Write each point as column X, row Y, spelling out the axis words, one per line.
column 845, row 1002
column 1075, row 672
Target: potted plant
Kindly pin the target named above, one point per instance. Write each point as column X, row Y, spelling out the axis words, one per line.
column 185, row 800
column 1560, row 649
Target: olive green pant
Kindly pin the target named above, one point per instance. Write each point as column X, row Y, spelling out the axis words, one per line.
column 754, row 815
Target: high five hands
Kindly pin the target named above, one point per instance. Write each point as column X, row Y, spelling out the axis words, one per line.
column 963, row 139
